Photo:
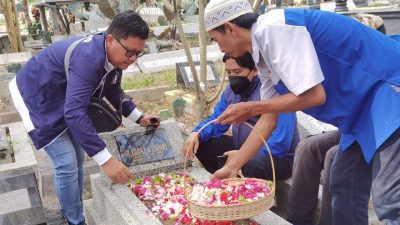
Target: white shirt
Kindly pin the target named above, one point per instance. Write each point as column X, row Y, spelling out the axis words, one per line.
column 284, row 52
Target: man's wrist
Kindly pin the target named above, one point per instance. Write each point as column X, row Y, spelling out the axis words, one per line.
column 140, row 118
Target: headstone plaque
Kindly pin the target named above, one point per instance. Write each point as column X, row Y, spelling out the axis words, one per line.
column 184, row 75
column 149, row 154
column 140, row 148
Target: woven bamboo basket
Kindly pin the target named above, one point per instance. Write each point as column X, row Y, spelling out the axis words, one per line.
column 237, row 211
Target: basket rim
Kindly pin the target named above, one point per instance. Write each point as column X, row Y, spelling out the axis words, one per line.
column 267, row 195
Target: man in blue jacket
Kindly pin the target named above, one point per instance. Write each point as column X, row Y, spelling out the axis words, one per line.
column 335, row 69
column 244, row 85
column 54, row 111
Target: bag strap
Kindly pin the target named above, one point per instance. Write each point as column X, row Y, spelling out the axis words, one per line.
column 68, row 54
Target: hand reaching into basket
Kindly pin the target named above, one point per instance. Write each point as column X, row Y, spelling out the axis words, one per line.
column 226, row 172
column 191, row 145
column 235, row 113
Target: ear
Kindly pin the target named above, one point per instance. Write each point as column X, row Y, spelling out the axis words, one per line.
column 231, row 28
column 109, row 39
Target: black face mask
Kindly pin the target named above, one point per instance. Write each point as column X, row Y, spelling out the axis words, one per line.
column 239, row 84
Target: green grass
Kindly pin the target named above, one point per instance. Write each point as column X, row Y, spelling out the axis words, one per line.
column 164, row 78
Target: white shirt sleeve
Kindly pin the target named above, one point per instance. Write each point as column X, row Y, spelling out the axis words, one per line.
column 102, row 157
column 291, row 55
column 267, row 89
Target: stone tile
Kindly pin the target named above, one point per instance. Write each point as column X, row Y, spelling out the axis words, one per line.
column 30, row 216
column 3, row 139
column 14, row 201
column 17, row 180
column 268, row 218
column 23, row 152
column 119, row 205
column 19, row 57
column 34, row 196
column 148, row 94
column 91, row 215
column 54, row 217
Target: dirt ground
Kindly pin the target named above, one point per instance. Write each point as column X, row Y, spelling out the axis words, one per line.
column 188, row 121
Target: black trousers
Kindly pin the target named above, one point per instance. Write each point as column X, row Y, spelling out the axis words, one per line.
column 258, row 167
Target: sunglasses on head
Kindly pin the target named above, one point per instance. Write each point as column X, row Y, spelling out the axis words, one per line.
column 130, row 53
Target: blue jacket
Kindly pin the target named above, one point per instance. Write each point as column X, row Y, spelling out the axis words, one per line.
column 52, row 104
column 281, row 138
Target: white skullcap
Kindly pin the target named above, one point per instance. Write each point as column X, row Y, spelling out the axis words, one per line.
column 218, row 12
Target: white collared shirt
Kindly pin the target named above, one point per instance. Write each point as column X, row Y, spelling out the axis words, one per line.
column 284, row 52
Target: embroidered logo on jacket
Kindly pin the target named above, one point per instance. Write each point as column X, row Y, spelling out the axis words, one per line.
column 114, row 80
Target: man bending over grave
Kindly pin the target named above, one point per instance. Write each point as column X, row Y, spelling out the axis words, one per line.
column 54, row 107
column 244, row 85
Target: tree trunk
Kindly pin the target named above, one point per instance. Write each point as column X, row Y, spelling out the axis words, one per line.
column 54, row 21
column 64, row 15
column 201, row 104
column 149, row 3
column 26, row 12
column 185, row 47
column 10, row 16
column 43, row 19
column 256, row 6
column 202, row 45
column 61, row 20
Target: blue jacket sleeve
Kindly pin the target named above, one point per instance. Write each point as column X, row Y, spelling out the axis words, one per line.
column 213, row 130
column 77, row 100
column 281, row 138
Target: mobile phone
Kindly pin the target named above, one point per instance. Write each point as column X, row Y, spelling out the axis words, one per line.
column 152, row 128
column 221, row 160
column 153, row 120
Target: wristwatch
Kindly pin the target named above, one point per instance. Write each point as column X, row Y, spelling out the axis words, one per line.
column 140, row 117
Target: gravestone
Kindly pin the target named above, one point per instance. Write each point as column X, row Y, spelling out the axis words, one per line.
column 116, row 203
column 164, row 114
column 151, row 63
column 33, row 44
column 147, row 154
column 178, row 107
column 184, row 75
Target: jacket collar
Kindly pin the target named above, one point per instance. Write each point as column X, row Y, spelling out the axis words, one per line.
column 107, row 64
column 253, row 85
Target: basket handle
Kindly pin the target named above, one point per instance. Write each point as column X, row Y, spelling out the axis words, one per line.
column 258, row 134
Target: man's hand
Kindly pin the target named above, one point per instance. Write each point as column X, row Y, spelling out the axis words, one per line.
column 190, row 146
column 235, row 114
column 225, row 172
column 231, row 154
column 117, row 171
column 147, row 120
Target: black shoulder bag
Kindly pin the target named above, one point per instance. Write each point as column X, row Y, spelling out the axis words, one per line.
column 103, row 117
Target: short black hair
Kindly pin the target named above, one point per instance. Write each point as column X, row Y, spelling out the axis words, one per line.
column 244, row 21
column 245, row 61
column 128, row 23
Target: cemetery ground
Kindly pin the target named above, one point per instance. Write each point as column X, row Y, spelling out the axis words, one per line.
column 149, row 91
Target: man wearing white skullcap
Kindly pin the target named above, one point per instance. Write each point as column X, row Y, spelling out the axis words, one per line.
column 335, row 69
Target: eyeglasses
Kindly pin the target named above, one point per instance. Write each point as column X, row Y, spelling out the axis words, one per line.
column 130, row 53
